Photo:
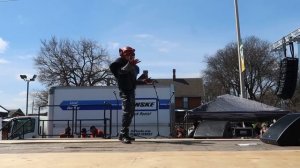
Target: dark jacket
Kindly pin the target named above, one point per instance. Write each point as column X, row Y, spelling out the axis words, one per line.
column 125, row 73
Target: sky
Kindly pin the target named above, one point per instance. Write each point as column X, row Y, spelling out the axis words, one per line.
column 167, row 34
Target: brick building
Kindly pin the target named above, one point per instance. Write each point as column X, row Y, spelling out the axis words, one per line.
column 188, row 94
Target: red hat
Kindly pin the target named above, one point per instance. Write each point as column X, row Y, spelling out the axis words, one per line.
column 126, row 49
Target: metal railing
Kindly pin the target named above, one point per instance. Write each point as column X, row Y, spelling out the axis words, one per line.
column 73, row 121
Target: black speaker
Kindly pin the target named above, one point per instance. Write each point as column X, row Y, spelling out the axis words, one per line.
column 284, row 132
column 213, row 129
column 287, row 78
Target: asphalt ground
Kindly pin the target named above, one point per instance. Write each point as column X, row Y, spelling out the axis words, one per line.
column 146, row 153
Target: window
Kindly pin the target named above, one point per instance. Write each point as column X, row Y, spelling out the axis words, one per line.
column 185, row 103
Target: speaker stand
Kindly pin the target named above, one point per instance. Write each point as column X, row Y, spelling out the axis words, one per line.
column 117, row 116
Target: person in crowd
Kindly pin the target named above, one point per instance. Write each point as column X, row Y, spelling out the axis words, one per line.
column 83, row 133
column 67, row 133
column 257, row 128
column 193, row 129
column 180, row 132
column 95, row 132
column 264, row 128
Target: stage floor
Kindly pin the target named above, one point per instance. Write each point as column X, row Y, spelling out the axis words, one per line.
column 245, row 153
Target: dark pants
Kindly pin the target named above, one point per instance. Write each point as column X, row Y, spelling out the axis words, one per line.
column 128, row 107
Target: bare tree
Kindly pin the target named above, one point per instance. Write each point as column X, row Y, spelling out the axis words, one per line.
column 261, row 69
column 72, row 63
column 221, row 74
column 40, row 97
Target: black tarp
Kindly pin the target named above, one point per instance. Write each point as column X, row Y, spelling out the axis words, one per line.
column 233, row 108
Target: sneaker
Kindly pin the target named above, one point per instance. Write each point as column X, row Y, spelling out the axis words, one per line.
column 126, row 140
column 121, row 136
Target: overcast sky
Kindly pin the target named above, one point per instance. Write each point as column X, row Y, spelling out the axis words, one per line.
column 166, row 34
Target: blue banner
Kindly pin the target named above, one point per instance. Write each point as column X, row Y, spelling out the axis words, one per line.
column 113, row 104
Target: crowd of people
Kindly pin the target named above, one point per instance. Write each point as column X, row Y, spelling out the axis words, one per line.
column 259, row 128
column 93, row 133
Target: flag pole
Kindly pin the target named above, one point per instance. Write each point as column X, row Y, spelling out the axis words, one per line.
column 240, row 52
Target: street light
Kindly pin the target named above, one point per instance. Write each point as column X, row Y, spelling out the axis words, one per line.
column 24, row 77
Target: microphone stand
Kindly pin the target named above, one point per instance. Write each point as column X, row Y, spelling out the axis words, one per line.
column 134, row 132
column 171, row 97
column 157, row 111
column 117, row 113
column 171, row 118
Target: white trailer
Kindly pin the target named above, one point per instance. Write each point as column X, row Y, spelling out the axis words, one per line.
column 82, row 107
